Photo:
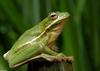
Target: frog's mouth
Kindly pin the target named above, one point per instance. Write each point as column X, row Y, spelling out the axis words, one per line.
column 59, row 25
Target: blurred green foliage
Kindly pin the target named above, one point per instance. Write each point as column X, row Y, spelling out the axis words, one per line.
column 80, row 37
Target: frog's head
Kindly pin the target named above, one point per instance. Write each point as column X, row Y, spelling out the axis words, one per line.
column 55, row 24
column 56, row 19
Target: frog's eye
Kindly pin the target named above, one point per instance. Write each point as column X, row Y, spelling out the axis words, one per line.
column 53, row 16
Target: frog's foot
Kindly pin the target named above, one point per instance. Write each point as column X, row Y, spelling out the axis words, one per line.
column 60, row 57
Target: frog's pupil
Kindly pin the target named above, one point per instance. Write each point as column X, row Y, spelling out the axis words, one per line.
column 53, row 15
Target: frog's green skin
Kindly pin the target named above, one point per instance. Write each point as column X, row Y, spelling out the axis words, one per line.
column 37, row 41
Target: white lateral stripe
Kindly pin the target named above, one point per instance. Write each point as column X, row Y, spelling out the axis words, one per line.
column 29, row 42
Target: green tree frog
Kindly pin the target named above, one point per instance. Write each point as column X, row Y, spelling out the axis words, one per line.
column 38, row 41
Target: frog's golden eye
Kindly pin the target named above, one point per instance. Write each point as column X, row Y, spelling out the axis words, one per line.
column 53, row 16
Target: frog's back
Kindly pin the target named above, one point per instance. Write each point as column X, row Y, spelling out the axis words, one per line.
column 28, row 35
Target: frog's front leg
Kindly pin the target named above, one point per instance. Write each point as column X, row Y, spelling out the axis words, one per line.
column 51, row 58
column 54, row 56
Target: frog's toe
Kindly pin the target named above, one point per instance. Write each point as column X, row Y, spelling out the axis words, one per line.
column 68, row 59
column 61, row 57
